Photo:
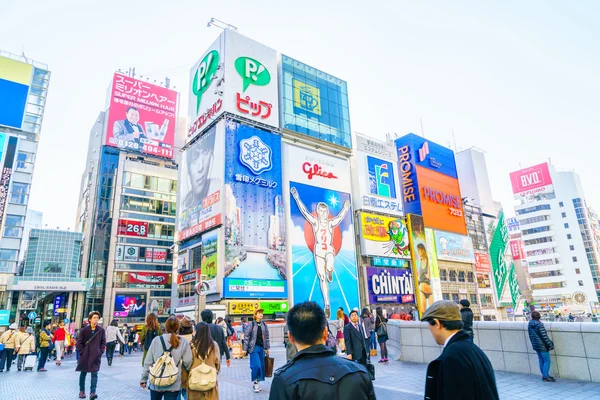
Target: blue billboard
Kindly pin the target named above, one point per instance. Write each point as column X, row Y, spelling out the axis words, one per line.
column 315, row 103
column 254, row 218
column 15, row 78
column 453, row 247
column 427, row 154
column 381, row 177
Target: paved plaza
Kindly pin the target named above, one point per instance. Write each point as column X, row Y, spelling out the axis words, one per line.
column 395, row 381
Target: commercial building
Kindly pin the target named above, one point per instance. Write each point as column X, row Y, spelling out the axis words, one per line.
column 127, row 206
column 33, row 220
column 560, row 245
column 24, row 87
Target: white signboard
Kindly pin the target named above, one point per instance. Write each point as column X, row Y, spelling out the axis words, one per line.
column 45, row 286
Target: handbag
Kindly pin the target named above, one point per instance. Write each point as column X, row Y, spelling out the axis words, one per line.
column 269, row 364
column 370, row 369
column 382, row 330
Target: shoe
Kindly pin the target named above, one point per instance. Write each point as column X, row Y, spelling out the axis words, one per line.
column 93, row 396
column 381, row 361
column 109, row 362
column 18, row 369
column 82, row 395
column 552, row 379
column 42, row 370
column 256, row 387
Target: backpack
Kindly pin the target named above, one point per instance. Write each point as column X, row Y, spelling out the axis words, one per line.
column 203, row 378
column 150, row 335
column 164, row 371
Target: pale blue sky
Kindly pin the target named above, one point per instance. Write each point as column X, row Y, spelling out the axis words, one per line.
column 517, row 79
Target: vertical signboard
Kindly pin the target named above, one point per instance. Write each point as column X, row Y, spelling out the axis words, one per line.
column 422, row 266
column 7, row 170
column 513, row 285
column 382, row 236
column 376, row 176
column 141, row 117
column 208, row 264
column 201, row 174
column 321, row 234
column 254, row 214
column 531, row 181
column 15, row 78
column 433, row 262
column 498, row 255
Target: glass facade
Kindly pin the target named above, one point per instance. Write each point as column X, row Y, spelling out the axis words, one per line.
column 590, row 233
column 315, row 103
column 53, row 254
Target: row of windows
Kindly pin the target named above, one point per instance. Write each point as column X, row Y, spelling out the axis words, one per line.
column 552, row 261
column 455, row 297
column 549, row 285
column 531, row 242
column 146, row 182
column 541, row 252
column 533, row 220
column 546, row 274
column 529, row 210
column 453, row 276
column 150, row 206
column 536, row 230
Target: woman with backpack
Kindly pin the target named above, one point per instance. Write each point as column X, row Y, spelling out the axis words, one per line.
column 257, row 345
column 382, row 335
column 202, row 382
column 167, row 356
column 151, row 330
column 113, row 336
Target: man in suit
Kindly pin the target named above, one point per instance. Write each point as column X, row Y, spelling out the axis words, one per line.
column 354, row 336
column 129, row 129
column 216, row 331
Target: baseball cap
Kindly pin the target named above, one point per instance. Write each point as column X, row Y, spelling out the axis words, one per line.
column 444, row 310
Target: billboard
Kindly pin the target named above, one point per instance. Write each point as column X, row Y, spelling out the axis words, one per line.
column 161, row 307
column 254, row 219
column 7, row 171
column 141, row 117
column 498, row 246
column 142, row 253
column 321, row 233
column 531, row 181
column 436, row 282
column 201, row 174
column 390, row 285
column 482, row 262
column 453, row 247
column 422, row 266
column 253, row 288
column 376, row 176
column 15, row 78
column 235, row 75
column 426, row 154
column 516, row 249
column 208, row 264
column 131, row 305
column 132, row 228
column 152, row 279
column 382, row 236
column 314, row 103
column 248, row 307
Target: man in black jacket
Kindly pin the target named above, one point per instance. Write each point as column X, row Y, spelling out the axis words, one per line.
column 216, row 332
column 316, row 372
column 467, row 317
column 462, row 371
column 354, row 338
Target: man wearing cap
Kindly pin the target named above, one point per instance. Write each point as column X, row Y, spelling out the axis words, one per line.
column 8, row 339
column 462, row 371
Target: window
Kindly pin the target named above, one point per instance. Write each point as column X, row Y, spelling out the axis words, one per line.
column 564, row 215
column 561, row 204
column 452, row 276
column 445, row 296
column 571, row 247
column 443, row 275
column 19, row 193
column 13, row 226
column 566, row 226
column 533, row 209
column 471, row 277
column 455, row 297
column 574, row 259
column 580, row 283
column 8, row 255
column 461, row 276
column 473, row 298
column 25, row 162
column 569, row 236
column 577, row 271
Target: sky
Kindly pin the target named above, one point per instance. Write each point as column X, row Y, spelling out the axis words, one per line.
column 516, row 79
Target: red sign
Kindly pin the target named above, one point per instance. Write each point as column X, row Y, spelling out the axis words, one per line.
column 312, row 170
column 482, row 262
column 515, row 249
column 141, row 117
column 187, row 277
column 532, row 180
column 201, row 227
column 149, row 278
column 247, row 106
column 133, row 228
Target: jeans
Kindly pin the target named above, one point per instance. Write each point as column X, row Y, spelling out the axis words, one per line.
column 154, row 395
column 7, row 354
column 373, row 341
column 544, row 360
column 110, row 349
column 20, row 360
column 257, row 364
column 184, row 395
column 94, row 384
column 60, row 349
column 43, row 357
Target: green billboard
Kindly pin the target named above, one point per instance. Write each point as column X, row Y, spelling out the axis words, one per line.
column 498, row 247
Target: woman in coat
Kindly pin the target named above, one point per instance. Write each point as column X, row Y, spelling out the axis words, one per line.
column 25, row 345
column 45, row 340
column 204, row 348
column 151, row 330
column 113, row 336
column 91, row 343
column 541, row 344
column 257, row 345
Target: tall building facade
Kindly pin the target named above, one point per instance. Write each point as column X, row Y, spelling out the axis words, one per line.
column 33, row 220
column 127, row 203
column 558, row 240
column 24, row 83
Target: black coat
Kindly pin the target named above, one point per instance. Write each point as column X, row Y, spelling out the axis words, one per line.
column 317, row 373
column 467, row 319
column 216, row 332
column 355, row 343
column 90, row 354
column 539, row 336
column 461, row 372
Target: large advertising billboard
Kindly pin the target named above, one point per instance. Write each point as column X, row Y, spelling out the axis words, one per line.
column 376, row 177
column 201, row 174
column 141, row 117
column 321, row 232
column 315, row 103
column 390, row 285
column 15, row 79
column 235, row 75
column 531, row 181
column 208, row 264
column 130, row 305
column 453, row 247
column 128, row 227
column 482, row 262
column 142, row 280
column 498, row 245
column 7, row 171
column 382, row 236
column 254, row 214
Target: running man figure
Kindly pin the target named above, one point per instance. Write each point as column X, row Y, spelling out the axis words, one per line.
column 323, row 248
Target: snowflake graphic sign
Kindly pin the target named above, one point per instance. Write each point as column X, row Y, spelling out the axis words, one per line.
column 256, row 155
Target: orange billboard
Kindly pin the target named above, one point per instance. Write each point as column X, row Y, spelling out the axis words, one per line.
column 441, row 202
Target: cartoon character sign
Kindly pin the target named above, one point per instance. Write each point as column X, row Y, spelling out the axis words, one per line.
column 383, row 236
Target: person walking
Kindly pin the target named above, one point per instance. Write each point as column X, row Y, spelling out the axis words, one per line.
column 339, row 326
column 113, row 336
column 151, row 330
column 45, row 338
column 131, row 339
column 186, row 331
column 181, row 352
column 216, row 332
column 8, row 339
column 316, row 373
column 25, row 346
column 368, row 321
column 541, row 344
column 61, row 336
column 91, row 343
column 230, row 333
column 382, row 335
column 354, row 336
column 467, row 317
column 462, row 371
column 204, row 351
column 257, row 345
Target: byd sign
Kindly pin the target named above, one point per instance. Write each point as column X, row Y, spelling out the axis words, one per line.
column 531, row 180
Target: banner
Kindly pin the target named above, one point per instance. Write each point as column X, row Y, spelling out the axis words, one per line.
column 422, row 268
column 482, row 262
column 453, row 247
column 141, row 117
column 498, row 247
column 383, row 236
column 254, row 216
column 321, row 231
column 516, row 250
column 389, row 262
column 390, row 285
column 149, row 278
column 132, row 228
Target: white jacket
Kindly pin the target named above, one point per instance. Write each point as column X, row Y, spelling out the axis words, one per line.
column 113, row 333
